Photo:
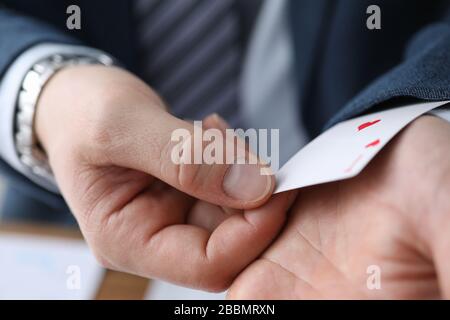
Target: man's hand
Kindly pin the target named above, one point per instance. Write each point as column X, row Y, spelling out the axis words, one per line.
column 395, row 216
column 108, row 138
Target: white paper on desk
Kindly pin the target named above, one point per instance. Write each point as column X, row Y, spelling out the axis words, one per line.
column 47, row 268
column 161, row 290
column 344, row 150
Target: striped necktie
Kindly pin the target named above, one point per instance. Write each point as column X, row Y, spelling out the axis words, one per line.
column 189, row 52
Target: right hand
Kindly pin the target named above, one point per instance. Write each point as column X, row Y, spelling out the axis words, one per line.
column 108, row 139
column 383, row 234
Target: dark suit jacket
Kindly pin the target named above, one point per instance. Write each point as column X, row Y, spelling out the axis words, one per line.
column 343, row 68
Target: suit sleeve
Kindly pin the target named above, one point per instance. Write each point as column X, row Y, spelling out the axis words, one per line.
column 19, row 32
column 424, row 74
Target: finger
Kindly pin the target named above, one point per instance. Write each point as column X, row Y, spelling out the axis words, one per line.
column 208, row 216
column 216, row 121
column 146, row 144
column 113, row 237
column 438, row 240
column 267, row 280
column 191, row 256
column 203, row 214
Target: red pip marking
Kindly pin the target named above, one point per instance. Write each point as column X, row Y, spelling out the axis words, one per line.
column 373, row 143
column 350, row 168
column 368, row 124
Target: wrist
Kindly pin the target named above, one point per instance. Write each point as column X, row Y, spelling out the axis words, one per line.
column 80, row 101
column 26, row 143
column 58, row 106
column 51, row 106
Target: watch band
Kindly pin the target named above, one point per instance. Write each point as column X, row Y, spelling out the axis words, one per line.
column 27, row 146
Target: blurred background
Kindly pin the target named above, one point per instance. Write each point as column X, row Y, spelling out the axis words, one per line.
column 50, row 262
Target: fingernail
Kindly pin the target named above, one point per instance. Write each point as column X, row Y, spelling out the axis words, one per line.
column 217, row 122
column 245, row 182
column 220, row 122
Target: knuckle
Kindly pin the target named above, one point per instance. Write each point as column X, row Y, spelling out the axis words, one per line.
column 218, row 285
column 246, row 287
column 214, row 279
column 96, row 244
column 102, row 247
column 99, row 240
column 239, row 292
column 102, row 261
column 188, row 176
column 184, row 171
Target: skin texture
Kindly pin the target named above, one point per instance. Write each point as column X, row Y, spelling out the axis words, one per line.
column 107, row 136
column 395, row 215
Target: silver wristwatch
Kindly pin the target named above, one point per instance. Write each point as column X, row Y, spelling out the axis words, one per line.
column 27, row 146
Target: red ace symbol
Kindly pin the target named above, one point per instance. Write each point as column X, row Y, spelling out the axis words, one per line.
column 368, row 124
column 373, row 143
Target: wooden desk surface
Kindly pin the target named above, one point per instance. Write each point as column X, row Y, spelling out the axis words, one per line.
column 115, row 285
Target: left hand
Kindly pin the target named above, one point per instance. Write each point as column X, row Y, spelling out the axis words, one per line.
column 108, row 137
column 395, row 216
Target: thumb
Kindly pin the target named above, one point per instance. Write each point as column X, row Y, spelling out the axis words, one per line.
column 149, row 145
column 216, row 121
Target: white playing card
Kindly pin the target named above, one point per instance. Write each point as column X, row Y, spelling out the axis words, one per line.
column 442, row 112
column 344, row 150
